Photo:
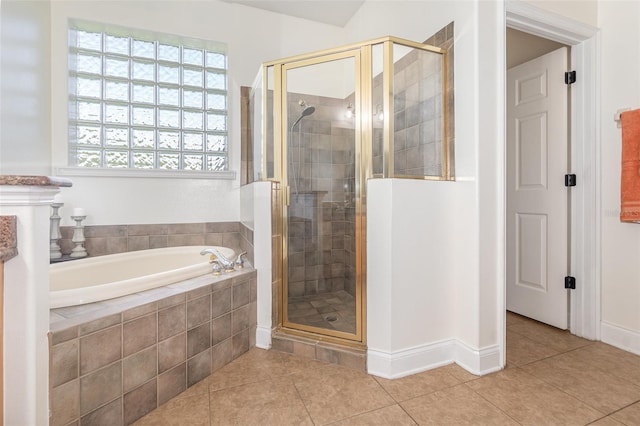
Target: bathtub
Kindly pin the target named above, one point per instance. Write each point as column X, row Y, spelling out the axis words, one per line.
column 104, row 277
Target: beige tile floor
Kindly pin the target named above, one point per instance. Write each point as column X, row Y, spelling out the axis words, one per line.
column 552, row 378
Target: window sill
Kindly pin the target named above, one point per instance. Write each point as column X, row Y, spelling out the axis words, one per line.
column 135, row 173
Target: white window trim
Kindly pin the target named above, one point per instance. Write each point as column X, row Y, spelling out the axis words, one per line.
column 144, row 173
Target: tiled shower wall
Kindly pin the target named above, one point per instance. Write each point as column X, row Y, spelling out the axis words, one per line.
column 419, row 89
column 444, row 39
column 110, row 239
column 299, row 346
column 322, row 183
column 322, row 243
column 246, row 137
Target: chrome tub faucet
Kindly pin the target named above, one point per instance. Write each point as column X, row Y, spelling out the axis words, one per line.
column 217, row 257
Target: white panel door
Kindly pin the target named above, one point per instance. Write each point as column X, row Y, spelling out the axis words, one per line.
column 537, row 201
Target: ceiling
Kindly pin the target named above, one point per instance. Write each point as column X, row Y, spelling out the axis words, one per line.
column 333, row 12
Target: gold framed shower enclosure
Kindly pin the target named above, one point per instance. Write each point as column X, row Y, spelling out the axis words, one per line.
column 330, row 122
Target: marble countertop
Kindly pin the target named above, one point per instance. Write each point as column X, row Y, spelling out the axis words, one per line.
column 8, row 238
column 16, row 180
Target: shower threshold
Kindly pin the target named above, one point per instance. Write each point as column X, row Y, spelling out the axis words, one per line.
column 319, row 349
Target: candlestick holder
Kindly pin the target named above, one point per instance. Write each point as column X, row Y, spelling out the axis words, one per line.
column 78, row 238
column 54, row 232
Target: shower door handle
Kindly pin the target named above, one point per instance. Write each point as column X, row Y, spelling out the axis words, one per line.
column 287, row 196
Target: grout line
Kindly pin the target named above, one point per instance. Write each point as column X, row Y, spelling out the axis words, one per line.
column 377, row 380
column 620, row 409
column 570, row 396
column 491, row 403
column 602, row 418
column 303, row 403
column 209, row 397
column 366, row 412
column 398, row 403
column 408, row 414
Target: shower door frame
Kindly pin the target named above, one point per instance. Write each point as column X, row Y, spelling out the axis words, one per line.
column 363, row 52
column 361, row 160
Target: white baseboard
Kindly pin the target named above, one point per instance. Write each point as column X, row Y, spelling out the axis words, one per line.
column 409, row 361
column 263, row 337
column 426, row 357
column 478, row 361
column 619, row 337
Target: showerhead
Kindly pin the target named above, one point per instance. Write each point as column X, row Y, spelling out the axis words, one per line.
column 308, row 110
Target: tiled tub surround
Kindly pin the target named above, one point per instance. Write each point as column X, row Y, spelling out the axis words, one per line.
column 111, row 239
column 114, row 361
column 246, row 241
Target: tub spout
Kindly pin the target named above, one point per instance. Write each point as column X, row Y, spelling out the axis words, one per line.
column 216, row 256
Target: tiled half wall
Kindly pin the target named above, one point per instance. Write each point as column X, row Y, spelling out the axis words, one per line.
column 110, row 239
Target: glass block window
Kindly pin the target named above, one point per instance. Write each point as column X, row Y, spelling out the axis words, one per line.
column 142, row 100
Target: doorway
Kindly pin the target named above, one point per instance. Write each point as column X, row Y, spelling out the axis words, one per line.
column 585, row 240
column 538, row 157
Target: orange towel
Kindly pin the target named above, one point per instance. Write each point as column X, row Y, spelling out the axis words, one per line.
column 630, row 183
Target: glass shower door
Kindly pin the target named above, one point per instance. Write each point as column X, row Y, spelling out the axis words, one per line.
column 322, row 288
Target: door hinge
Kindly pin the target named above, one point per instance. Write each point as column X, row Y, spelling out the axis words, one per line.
column 569, row 77
column 570, row 282
column 569, row 180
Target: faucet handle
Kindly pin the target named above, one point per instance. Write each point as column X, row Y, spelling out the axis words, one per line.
column 240, row 261
column 217, row 268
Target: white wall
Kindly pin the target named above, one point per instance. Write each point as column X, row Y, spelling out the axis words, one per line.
column 25, row 133
column 476, row 237
column 335, row 79
column 260, row 211
column 411, row 247
column 490, row 193
column 445, row 237
column 26, row 307
column 252, row 35
column 585, row 11
column 620, row 88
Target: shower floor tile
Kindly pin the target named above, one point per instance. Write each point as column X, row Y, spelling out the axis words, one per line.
column 332, row 311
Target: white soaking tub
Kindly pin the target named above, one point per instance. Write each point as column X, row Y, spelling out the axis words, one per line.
column 92, row 279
